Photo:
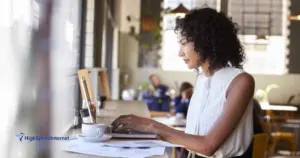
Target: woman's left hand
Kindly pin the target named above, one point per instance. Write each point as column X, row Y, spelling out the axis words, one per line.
column 135, row 123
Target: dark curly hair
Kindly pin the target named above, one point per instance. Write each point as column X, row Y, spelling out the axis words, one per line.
column 214, row 36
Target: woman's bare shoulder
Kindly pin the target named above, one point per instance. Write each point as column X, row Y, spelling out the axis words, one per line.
column 242, row 81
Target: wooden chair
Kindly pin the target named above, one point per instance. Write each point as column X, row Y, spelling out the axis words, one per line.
column 84, row 73
column 283, row 136
column 84, row 78
column 100, row 80
column 105, row 84
column 278, row 136
column 260, row 145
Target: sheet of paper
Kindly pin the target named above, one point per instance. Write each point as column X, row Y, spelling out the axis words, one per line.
column 99, row 150
column 140, row 143
column 170, row 121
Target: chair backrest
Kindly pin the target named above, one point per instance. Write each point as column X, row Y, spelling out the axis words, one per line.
column 84, row 74
column 104, row 84
column 260, row 145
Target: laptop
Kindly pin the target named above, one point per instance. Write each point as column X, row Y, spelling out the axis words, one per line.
column 131, row 134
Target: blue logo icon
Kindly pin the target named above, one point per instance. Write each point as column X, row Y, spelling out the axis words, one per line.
column 20, row 136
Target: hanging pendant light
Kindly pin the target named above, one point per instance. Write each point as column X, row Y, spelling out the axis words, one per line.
column 167, row 10
column 148, row 23
column 181, row 9
column 261, row 37
column 295, row 17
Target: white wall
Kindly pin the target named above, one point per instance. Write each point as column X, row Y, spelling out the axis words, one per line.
column 128, row 53
column 89, row 34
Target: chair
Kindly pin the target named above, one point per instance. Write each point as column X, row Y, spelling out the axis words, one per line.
column 260, row 145
column 105, row 84
column 85, row 86
column 283, row 136
column 98, row 75
column 278, row 136
column 84, row 73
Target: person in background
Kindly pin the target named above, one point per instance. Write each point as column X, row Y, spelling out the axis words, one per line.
column 183, row 100
column 156, row 97
column 259, row 123
column 258, row 113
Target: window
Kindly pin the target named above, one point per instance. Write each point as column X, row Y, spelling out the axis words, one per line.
column 262, row 32
column 170, row 47
column 171, row 60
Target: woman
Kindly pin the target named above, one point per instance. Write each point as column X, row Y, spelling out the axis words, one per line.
column 219, row 121
column 182, row 101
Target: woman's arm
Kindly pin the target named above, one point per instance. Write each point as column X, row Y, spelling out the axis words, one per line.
column 239, row 94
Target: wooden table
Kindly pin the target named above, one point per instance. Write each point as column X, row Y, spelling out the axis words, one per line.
column 113, row 109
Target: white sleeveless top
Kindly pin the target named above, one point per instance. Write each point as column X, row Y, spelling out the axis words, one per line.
column 206, row 106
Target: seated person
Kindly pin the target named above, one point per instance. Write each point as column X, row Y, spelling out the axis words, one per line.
column 156, row 97
column 257, row 115
column 183, row 100
column 259, row 124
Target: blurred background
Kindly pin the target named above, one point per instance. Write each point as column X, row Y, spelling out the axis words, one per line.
column 43, row 43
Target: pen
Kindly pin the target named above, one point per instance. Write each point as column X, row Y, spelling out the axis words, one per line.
column 125, row 147
column 128, row 147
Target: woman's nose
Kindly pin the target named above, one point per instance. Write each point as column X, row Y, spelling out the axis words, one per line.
column 180, row 53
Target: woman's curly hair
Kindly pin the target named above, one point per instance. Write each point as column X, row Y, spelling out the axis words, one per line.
column 214, row 36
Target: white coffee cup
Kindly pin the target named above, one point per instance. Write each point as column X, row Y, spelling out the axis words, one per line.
column 93, row 130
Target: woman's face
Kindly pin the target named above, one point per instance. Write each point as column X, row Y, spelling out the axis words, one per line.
column 187, row 53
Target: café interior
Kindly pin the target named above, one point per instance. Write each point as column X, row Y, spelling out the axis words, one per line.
column 59, row 56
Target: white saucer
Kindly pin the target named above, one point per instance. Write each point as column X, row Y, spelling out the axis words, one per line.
column 104, row 138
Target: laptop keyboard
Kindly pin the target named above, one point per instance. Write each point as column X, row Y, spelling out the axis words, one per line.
column 129, row 132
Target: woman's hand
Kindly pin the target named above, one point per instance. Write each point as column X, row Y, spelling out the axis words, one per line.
column 134, row 123
column 183, row 96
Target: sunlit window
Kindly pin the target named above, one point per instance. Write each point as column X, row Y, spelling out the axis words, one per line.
column 263, row 26
column 171, row 60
